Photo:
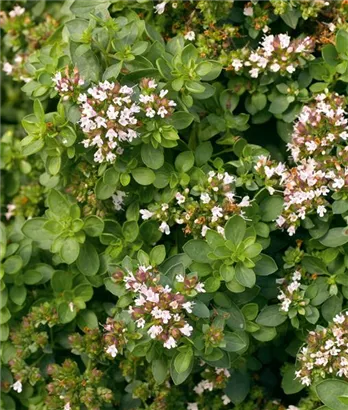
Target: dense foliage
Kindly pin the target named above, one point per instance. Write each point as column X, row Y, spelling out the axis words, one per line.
column 174, row 205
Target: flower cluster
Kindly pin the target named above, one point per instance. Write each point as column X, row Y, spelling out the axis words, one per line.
column 158, row 310
column 256, row 16
column 24, row 36
column 115, row 337
column 203, row 208
column 291, row 296
column 325, row 353
column 68, row 84
column 308, row 8
column 90, row 343
column 82, row 180
column 109, row 116
column 212, row 379
column 277, row 54
column 69, row 389
column 319, row 149
column 27, row 340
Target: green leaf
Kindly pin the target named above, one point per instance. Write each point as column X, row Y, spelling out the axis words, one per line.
column 279, row 105
column 238, row 386
column 235, row 229
column 104, row 191
column 183, row 360
column 58, row 204
column 160, row 370
column 18, row 294
column 271, row 208
column 84, row 292
column 88, row 260
column 87, row 319
column 340, row 207
column 290, row 385
column 330, row 55
column 157, row 255
column 179, row 378
column 93, row 225
column 203, row 153
column 197, row 250
column 130, row 231
column 83, row 8
column 291, row 18
column 184, row 161
column 112, row 71
column 200, row 310
column 152, row 157
column 329, row 392
column 143, row 176
column 5, row 315
column 70, row 250
column 235, row 342
column 13, row 264
column 270, row 316
column 31, row 277
column 335, row 237
column 65, row 313
column 245, row 276
column 181, row 119
column 265, row 266
column 342, row 41
column 61, row 281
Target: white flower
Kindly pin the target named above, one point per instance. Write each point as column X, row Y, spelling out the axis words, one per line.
column 192, row 406
column 338, row 183
column 254, row 72
column 117, row 200
column 8, row 68
column 112, row 350
column 245, row 202
column 179, row 278
column 237, row 64
column 126, row 90
column 163, row 93
column 155, row 331
column 217, row 213
column 200, row 287
column 204, row 230
column 150, row 112
column 170, row 343
column 291, row 230
column 190, row 36
column 205, row 198
column 248, row 11
column 17, row 11
column 290, row 69
column 152, row 84
column 225, row 399
column 188, row 306
column 275, row 67
column 160, row 7
column 146, row 214
column 140, row 323
column 162, row 112
column 18, row 387
column 321, row 210
column 164, row 227
column 67, row 406
column 180, row 198
column 10, row 209
column 186, row 330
